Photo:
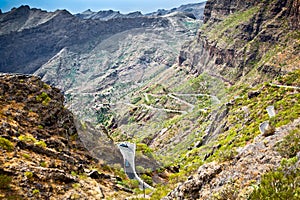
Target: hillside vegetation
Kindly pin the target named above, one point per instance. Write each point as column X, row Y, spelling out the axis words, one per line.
column 217, row 119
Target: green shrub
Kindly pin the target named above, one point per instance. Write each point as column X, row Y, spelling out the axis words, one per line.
column 73, row 173
column 140, row 169
column 131, row 120
column 228, row 191
column 134, row 183
column 25, row 155
column 147, row 179
column 44, row 98
column 283, row 183
column 41, row 96
column 40, row 127
column 5, row 181
column 159, row 192
column 43, row 164
column 27, row 138
column 290, row 79
column 41, row 144
column 103, row 116
column 46, row 101
column 290, row 144
column 130, row 183
column 76, row 185
column 136, row 100
column 29, row 175
column 6, row 144
column 46, row 86
column 35, row 192
column 226, row 155
column 144, row 149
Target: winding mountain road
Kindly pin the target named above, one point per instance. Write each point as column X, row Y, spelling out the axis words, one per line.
column 176, row 97
column 192, row 106
column 284, row 86
column 164, row 109
column 128, row 153
column 214, row 98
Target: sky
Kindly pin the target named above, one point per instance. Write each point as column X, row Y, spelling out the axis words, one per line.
column 77, row 6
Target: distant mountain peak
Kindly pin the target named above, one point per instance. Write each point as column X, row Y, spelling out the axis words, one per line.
column 87, row 12
column 23, row 7
column 195, row 10
column 63, row 12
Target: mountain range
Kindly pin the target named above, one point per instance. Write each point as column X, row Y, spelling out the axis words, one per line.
column 194, row 10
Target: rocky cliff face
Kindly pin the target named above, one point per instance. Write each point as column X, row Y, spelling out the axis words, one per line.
column 245, row 37
column 41, row 154
column 215, row 11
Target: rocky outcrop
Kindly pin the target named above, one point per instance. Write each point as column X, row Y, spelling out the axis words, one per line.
column 238, row 34
column 41, row 154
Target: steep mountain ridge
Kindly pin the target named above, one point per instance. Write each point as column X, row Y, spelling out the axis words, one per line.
column 26, row 19
column 216, row 10
column 249, row 34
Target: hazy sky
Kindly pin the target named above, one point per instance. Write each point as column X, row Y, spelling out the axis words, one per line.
column 76, row 6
